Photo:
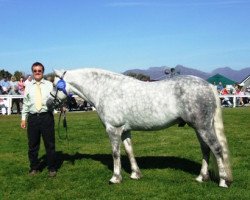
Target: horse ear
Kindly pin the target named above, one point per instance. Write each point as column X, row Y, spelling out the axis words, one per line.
column 58, row 73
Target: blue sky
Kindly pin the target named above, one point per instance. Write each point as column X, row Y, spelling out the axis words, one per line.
column 124, row 34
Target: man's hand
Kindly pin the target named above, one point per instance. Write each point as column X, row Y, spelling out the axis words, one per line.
column 23, row 124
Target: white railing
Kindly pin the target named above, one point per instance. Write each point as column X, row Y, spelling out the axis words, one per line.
column 9, row 101
column 10, row 97
column 234, row 97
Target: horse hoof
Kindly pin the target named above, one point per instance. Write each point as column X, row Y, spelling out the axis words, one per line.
column 135, row 175
column 111, row 183
column 115, row 180
column 199, row 179
column 202, row 178
column 223, row 183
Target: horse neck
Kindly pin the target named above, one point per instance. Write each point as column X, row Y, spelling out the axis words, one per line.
column 92, row 84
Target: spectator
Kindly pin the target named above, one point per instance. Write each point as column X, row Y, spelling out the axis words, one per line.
column 247, row 92
column 215, row 85
column 240, row 91
column 21, row 86
column 28, row 80
column 3, row 106
column 14, row 91
column 232, row 89
column 220, row 87
column 5, row 85
column 13, row 86
column 225, row 100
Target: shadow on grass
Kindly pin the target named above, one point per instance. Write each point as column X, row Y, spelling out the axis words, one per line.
column 146, row 162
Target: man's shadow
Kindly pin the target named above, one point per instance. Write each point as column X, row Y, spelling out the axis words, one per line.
column 144, row 162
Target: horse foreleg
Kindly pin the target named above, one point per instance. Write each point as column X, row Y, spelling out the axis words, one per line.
column 115, row 140
column 126, row 138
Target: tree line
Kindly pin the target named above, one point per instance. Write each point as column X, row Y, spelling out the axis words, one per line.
column 17, row 74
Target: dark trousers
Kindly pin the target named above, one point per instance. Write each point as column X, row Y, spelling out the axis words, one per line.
column 41, row 125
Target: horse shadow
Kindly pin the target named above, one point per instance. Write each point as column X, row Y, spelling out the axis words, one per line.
column 144, row 162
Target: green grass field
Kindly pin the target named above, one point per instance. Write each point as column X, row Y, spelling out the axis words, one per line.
column 169, row 159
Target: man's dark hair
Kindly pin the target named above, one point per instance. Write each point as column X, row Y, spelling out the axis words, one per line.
column 37, row 64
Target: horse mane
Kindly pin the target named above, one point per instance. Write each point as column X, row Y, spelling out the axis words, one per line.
column 108, row 75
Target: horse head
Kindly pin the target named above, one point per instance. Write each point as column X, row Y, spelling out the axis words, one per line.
column 61, row 91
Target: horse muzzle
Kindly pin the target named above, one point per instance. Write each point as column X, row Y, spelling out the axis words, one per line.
column 53, row 102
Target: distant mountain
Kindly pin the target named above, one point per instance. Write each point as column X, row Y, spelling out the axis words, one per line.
column 236, row 75
column 158, row 73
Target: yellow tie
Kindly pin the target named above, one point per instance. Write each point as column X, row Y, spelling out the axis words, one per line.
column 38, row 101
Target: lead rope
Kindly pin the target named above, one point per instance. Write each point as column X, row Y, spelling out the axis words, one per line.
column 63, row 112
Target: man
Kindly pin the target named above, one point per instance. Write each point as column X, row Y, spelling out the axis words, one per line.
column 40, row 120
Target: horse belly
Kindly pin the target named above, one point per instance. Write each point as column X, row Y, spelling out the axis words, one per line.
column 152, row 125
column 152, row 119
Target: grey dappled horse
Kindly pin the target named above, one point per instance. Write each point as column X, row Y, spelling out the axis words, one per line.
column 124, row 104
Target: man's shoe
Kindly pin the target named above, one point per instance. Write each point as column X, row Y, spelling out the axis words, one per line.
column 33, row 172
column 52, row 173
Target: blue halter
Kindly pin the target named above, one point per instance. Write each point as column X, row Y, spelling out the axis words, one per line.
column 61, row 86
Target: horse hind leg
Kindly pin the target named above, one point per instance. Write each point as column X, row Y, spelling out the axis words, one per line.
column 209, row 138
column 217, row 151
column 204, row 173
column 136, row 173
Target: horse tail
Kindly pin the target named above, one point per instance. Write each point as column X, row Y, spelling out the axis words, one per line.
column 219, row 131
